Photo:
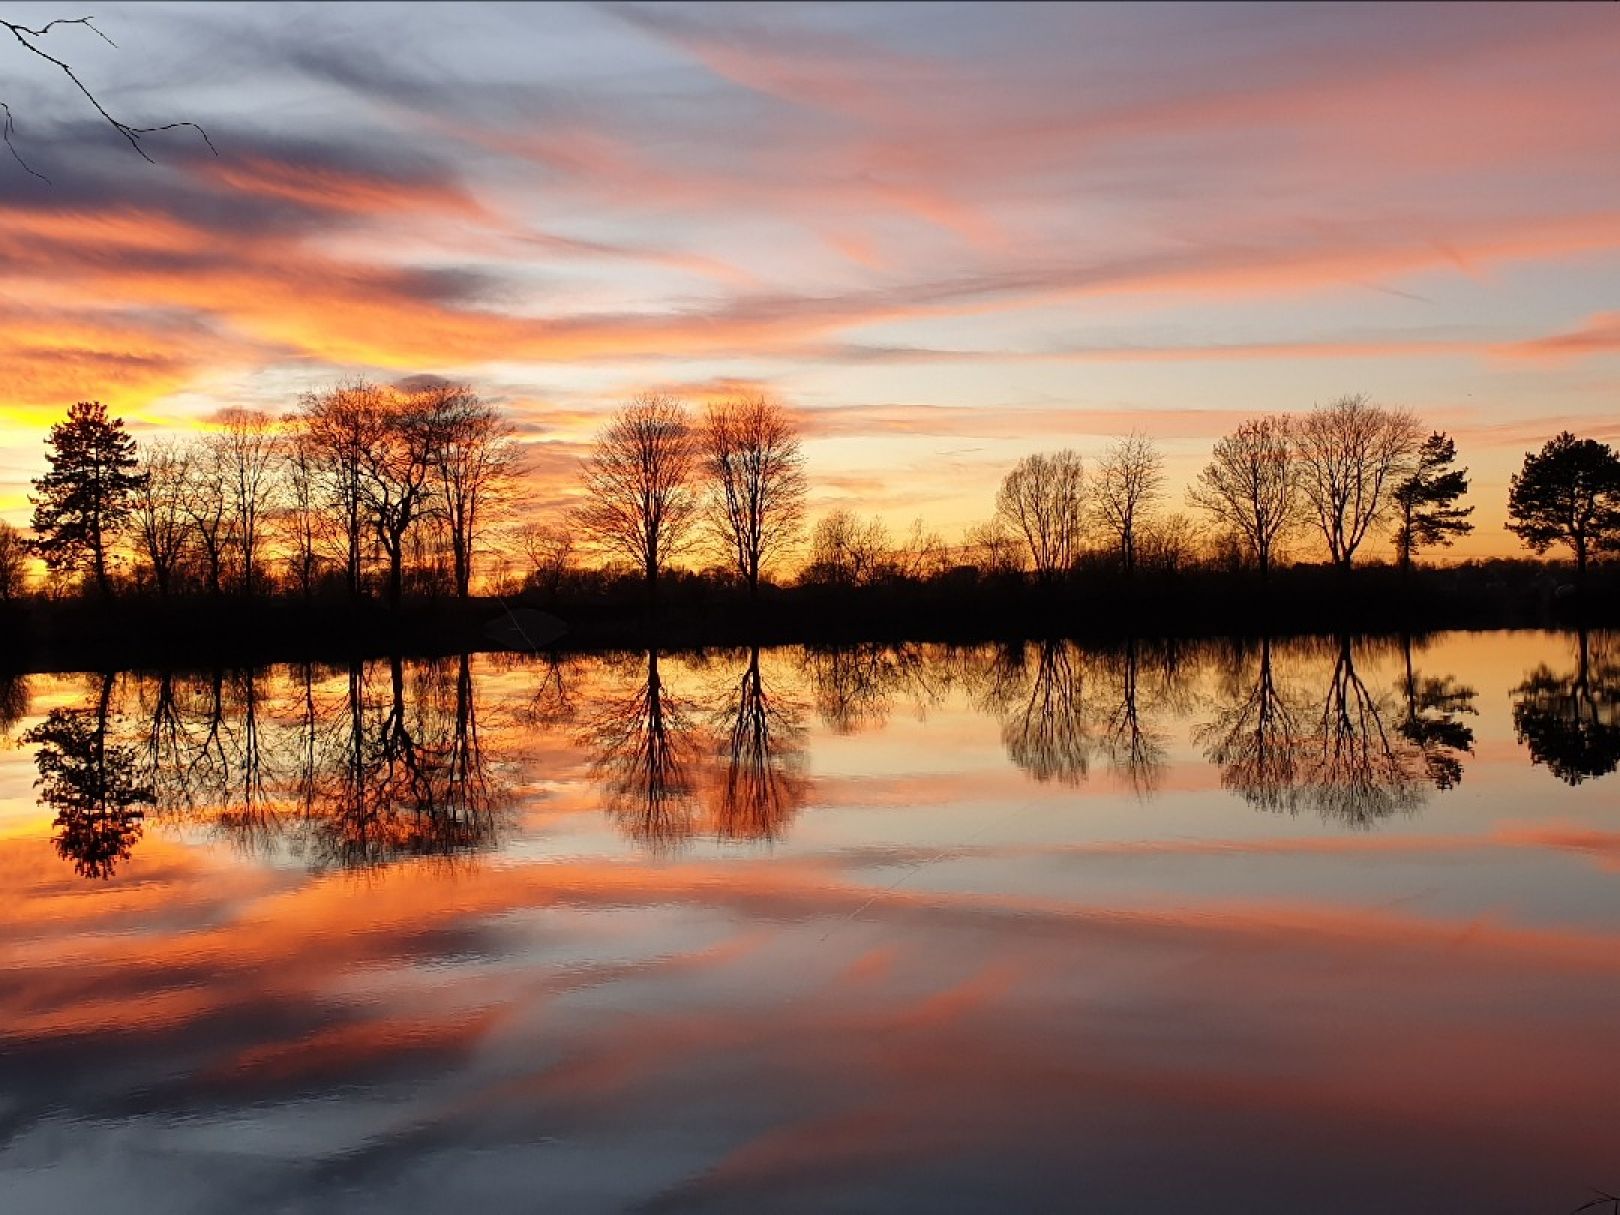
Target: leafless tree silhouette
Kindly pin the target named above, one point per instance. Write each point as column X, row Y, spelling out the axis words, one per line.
column 1127, row 485
column 1043, row 499
column 1250, row 487
column 756, row 485
column 640, row 499
column 1351, row 456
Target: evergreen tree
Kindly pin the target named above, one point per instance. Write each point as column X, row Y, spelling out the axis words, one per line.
column 1568, row 493
column 86, row 498
column 1427, row 500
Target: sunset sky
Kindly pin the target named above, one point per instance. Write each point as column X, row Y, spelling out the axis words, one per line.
column 949, row 235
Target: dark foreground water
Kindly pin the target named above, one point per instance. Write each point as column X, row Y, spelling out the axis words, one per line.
column 1304, row 926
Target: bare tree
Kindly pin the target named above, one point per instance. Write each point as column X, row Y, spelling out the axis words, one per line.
column 848, row 552
column 162, row 525
column 639, row 498
column 1128, row 483
column 396, row 475
column 921, row 555
column 245, row 451
column 302, row 511
column 1351, row 455
column 1250, row 486
column 994, row 546
column 755, row 502
column 1043, row 499
column 340, row 426
column 1170, row 542
column 475, row 460
column 549, row 553
column 207, row 504
column 13, row 563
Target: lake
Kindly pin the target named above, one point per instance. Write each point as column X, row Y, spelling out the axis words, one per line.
column 1299, row 925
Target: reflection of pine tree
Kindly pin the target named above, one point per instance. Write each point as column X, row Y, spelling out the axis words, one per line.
column 1431, row 723
column 760, row 783
column 91, row 784
column 1571, row 723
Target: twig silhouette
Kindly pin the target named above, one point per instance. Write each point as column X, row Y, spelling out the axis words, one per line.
column 1603, row 1199
column 24, row 36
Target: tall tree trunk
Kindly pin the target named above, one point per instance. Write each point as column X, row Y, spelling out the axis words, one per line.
column 396, row 574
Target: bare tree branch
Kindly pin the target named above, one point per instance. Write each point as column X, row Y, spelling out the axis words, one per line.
column 23, row 34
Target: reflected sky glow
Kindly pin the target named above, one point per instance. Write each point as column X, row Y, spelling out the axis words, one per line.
column 912, row 952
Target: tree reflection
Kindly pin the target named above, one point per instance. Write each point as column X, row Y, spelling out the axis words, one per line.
column 1042, row 710
column 345, row 767
column 645, row 752
column 1256, row 738
column 13, row 701
column 1130, row 738
column 760, row 784
column 1359, row 769
column 92, row 785
column 1346, row 752
column 411, row 776
column 1571, row 723
column 854, row 687
column 1431, row 722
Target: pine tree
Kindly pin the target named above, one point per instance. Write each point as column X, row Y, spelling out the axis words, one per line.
column 1568, row 493
column 1427, row 500
column 86, row 498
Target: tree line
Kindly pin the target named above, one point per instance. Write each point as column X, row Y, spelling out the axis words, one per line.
column 366, row 489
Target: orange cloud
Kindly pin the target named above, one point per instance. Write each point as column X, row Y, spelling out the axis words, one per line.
column 1599, row 335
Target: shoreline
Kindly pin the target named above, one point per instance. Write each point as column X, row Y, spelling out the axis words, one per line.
column 87, row 634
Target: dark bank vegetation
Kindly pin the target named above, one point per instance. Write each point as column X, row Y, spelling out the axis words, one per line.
column 375, row 519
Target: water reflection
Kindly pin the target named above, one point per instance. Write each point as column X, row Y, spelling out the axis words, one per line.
column 646, row 746
column 1038, row 693
column 1131, row 691
column 13, row 702
column 359, row 765
column 1359, row 768
column 855, row 687
column 92, row 784
column 343, row 768
column 412, row 777
column 1432, row 720
column 760, row 734
column 1571, row 722
column 1340, row 747
column 1402, row 1021
column 1256, row 736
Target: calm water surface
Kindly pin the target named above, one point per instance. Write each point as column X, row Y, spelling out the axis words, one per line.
column 1299, row 926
